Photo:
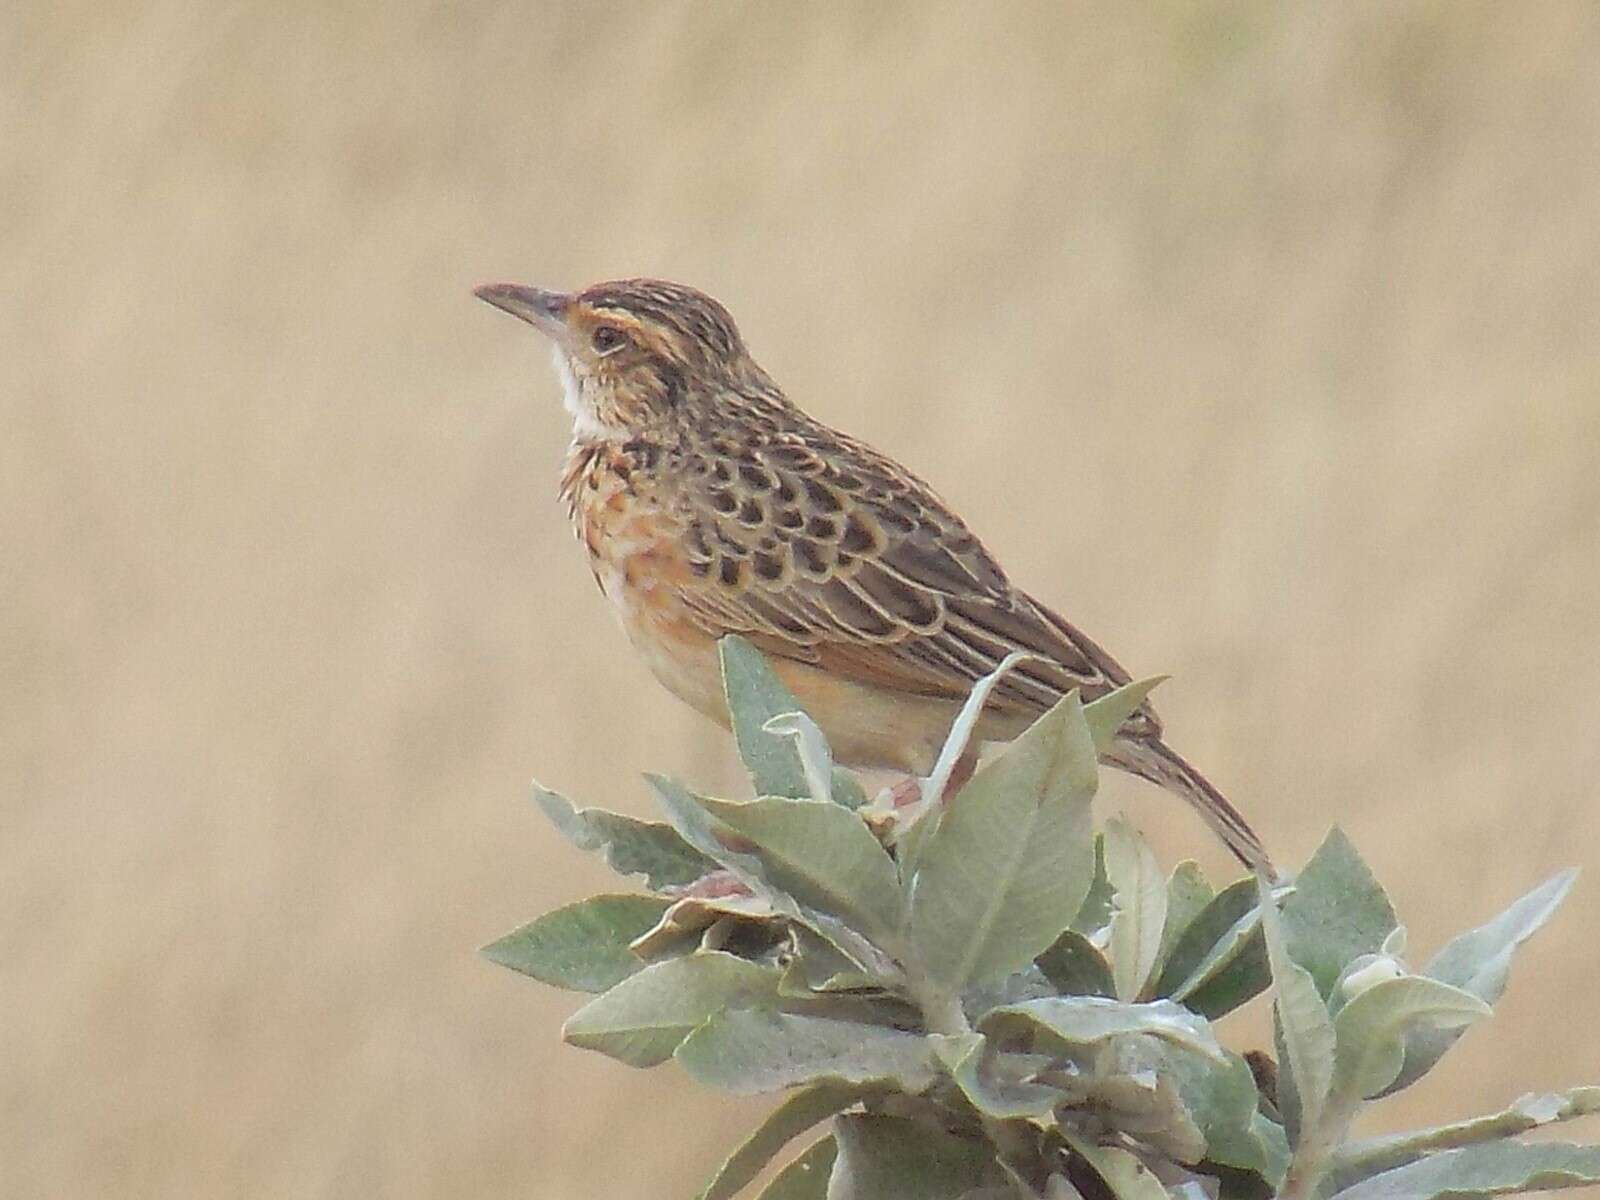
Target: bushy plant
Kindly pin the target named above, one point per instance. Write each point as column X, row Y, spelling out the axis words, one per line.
column 982, row 997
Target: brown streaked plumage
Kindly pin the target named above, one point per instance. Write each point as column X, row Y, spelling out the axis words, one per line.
column 709, row 504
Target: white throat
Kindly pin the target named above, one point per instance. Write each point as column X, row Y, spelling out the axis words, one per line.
column 584, row 427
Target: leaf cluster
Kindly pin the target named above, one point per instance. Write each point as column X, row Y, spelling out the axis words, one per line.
column 982, row 997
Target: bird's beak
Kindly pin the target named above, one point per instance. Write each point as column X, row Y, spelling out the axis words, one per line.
column 545, row 311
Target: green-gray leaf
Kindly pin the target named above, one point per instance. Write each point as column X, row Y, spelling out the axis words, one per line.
column 1304, row 1025
column 642, row 1020
column 1009, row 864
column 891, row 1158
column 581, row 946
column 1490, row 1170
column 789, row 1120
column 748, row 1051
column 1075, row 967
column 1140, row 911
column 1223, row 1099
column 1357, row 1160
column 1188, row 894
column 1479, row 962
column 628, row 845
column 1081, row 1021
column 755, row 695
column 1107, row 714
column 806, row 1178
column 821, row 854
column 1336, row 912
column 996, row 1084
column 1095, row 912
column 1214, row 937
column 1372, row 1027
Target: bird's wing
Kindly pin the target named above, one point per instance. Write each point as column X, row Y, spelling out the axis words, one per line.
column 822, row 550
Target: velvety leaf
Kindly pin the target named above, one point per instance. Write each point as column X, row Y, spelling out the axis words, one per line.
column 582, row 946
column 816, row 759
column 959, row 738
column 1079, row 1021
column 1489, row 1170
column 750, row 1050
column 734, row 852
column 1336, row 912
column 1107, row 714
column 1076, row 967
column 1140, row 910
column 806, row 1178
column 1356, row 1160
column 642, row 1020
column 1094, row 915
column 891, row 1158
column 1304, row 1026
column 1223, row 1099
column 1372, row 1027
column 1213, row 938
column 628, row 845
column 1009, row 863
column 996, row 1084
column 821, row 854
column 847, row 789
column 1188, row 894
column 1479, row 961
column 755, row 695
column 798, row 1113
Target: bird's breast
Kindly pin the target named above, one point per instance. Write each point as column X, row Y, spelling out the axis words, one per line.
column 634, row 539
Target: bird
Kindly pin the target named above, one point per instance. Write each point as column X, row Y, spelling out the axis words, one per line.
column 710, row 504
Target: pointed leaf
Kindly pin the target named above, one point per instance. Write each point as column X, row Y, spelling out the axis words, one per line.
column 1212, row 940
column 798, row 1113
column 1140, row 910
column 755, row 695
column 1223, row 1099
column 892, row 1158
column 1357, row 1160
column 1336, row 912
column 1107, row 714
column 1081, row 1021
column 1489, row 1170
column 806, row 1178
column 750, row 1050
column 816, row 760
column 629, row 846
column 642, row 1020
column 1303, row 1021
column 583, row 946
column 1188, row 894
column 961, row 729
column 1075, row 967
column 821, row 854
column 1479, row 961
column 1009, row 863
column 1371, row 1030
column 1094, row 916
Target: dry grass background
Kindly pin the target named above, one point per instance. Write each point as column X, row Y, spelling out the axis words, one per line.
column 1261, row 338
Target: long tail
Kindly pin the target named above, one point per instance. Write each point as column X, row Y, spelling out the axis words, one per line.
column 1154, row 760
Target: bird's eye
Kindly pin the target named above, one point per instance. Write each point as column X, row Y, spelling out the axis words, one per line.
column 607, row 338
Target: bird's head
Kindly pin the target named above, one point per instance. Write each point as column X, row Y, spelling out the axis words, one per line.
column 636, row 357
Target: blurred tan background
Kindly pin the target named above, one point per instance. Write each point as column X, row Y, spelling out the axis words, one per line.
column 1259, row 338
